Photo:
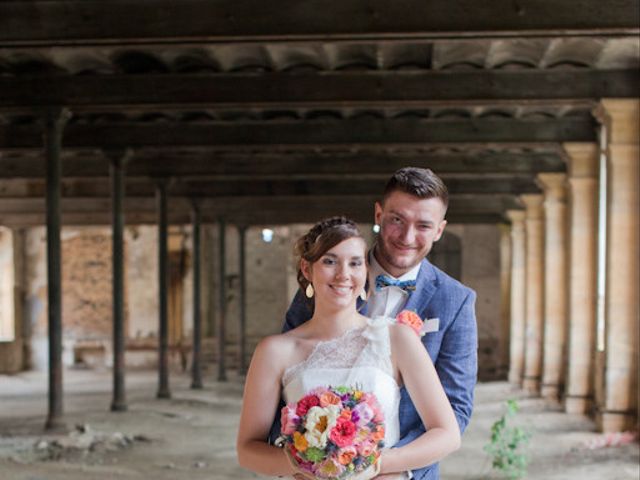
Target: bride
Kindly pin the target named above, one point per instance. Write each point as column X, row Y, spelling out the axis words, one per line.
column 338, row 346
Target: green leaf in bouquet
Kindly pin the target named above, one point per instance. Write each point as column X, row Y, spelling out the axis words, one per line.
column 314, row 454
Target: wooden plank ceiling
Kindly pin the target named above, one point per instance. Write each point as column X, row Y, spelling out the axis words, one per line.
column 287, row 111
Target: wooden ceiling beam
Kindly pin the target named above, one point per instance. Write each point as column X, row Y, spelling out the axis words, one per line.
column 207, row 188
column 68, row 22
column 289, row 166
column 314, row 135
column 264, row 218
column 392, row 89
column 241, row 210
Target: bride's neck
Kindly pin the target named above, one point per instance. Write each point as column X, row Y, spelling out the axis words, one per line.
column 332, row 323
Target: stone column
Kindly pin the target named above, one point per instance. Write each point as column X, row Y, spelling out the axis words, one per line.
column 517, row 297
column 618, row 410
column 555, row 283
column 582, row 268
column 534, row 229
column 505, row 298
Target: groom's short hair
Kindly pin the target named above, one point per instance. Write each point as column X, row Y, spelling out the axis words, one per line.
column 419, row 182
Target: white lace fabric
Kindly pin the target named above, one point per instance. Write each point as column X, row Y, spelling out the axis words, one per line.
column 361, row 358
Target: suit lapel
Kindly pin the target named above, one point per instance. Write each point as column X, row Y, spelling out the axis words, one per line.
column 425, row 288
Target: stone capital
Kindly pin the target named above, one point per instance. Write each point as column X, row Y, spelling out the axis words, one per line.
column 533, row 204
column 516, row 217
column 582, row 159
column 554, row 185
column 621, row 116
column 582, row 184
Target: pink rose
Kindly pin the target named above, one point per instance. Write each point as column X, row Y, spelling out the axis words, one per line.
column 378, row 416
column 366, row 448
column 288, row 420
column 343, row 433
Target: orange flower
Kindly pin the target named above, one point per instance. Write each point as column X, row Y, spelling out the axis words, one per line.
column 347, row 455
column 346, row 414
column 329, row 398
column 411, row 319
column 300, row 442
column 378, row 434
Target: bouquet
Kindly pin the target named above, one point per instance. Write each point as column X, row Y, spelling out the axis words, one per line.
column 334, row 433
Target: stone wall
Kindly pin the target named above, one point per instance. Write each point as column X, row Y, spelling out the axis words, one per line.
column 481, row 272
column 11, row 344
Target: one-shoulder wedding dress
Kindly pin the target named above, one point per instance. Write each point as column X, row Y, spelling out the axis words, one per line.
column 360, row 358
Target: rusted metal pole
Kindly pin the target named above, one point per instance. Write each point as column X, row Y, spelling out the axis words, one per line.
column 117, row 161
column 163, row 291
column 222, row 371
column 196, row 366
column 55, row 120
column 242, row 334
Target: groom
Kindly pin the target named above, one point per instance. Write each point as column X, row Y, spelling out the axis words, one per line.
column 411, row 219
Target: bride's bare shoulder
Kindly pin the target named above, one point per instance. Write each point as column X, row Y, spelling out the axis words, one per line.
column 278, row 344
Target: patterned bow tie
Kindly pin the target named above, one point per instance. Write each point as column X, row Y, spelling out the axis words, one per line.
column 386, row 281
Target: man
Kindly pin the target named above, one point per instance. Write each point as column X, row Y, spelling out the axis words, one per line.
column 411, row 218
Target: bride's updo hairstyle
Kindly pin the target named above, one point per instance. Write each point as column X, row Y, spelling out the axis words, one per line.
column 322, row 237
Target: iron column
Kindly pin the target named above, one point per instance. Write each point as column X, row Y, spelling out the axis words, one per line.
column 163, row 291
column 117, row 161
column 196, row 370
column 55, row 120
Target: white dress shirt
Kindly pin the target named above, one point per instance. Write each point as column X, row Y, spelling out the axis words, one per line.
column 388, row 302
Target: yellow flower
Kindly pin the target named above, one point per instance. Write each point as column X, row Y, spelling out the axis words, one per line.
column 357, row 394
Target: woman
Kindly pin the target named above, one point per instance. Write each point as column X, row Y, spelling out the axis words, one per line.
column 338, row 346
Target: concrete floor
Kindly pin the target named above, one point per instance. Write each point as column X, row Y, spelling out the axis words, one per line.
column 192, row 435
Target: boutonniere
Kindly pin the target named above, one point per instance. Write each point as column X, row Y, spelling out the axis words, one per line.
column 411, row 319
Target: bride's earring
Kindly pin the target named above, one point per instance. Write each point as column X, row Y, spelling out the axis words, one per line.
column 363, row 295
column 309, row 291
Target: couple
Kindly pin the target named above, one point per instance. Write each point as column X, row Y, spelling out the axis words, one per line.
column 329, row 341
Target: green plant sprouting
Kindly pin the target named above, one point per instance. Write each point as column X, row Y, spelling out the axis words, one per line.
column 507, row 445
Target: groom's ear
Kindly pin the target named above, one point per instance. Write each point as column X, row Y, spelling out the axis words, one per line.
column 440, row 230
column 377, row 213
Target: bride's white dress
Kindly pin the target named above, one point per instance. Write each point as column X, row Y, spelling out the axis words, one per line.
column 360, row 358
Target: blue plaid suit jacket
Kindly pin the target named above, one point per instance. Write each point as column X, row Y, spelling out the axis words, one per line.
column 453, row 349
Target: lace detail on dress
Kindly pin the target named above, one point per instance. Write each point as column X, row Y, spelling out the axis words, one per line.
column 361, row 347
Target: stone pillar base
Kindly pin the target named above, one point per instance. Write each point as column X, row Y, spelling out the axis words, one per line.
column 608, row 422
column 580, row 405
column 531, row 384
column 549, row 391
column 515, row 379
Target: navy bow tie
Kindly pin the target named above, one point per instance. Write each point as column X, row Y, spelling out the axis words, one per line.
column 386, row 281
